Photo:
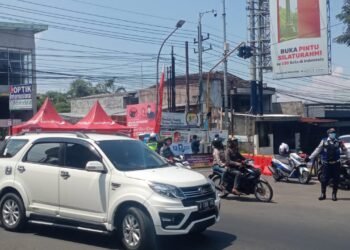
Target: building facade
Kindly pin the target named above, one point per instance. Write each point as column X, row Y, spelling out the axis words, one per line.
column 17, row 67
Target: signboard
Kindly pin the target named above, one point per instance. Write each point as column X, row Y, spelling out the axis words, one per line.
column 199, row 160
column 181, row 148
column 180, row 120
column 299, row 38
column 21, row 97
column 141, row 117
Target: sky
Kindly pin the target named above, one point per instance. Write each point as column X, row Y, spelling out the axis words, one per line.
column 99, row 40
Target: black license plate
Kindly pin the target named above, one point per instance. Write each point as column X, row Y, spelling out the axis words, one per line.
column 205, row 204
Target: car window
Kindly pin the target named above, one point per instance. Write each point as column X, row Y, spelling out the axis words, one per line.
column 78, row 155
column 129, row 155
column 44, row 153
column 345, row 139
column 11, row 147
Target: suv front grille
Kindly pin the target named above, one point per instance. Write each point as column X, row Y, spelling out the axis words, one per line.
column 198, row 193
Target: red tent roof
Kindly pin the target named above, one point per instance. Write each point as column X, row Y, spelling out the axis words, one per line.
column 98, row 120
column 46, row 118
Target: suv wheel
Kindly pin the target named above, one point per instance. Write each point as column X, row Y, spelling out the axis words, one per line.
column 12, row 212
column 136, row 230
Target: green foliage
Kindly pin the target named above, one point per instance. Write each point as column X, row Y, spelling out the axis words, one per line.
column 78, row 88
column 81, row 88
column 344, row 17
column 59, row 100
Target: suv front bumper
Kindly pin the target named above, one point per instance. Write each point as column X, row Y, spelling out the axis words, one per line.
column 171, row 217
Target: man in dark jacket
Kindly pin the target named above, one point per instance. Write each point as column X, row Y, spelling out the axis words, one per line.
column 234, row 162
column 195, row 144
column 329, row 149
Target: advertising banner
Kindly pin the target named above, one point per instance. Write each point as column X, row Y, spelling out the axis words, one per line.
column 299, row 38
column 141, row 117
column 21, row 97
column 180, row 120
column 199, row 160
column 223, row 134
column 181, row 148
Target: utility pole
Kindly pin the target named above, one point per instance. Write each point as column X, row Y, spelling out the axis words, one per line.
column 187, row 78
column 260, row 58
column 251, row 6
column 200, row 51
column 173, row 80
column 225, row 67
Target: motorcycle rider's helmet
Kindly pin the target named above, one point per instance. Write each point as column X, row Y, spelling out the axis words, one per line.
column 283, row 149
column 217, row 143
column 152, row 137
column 232, row 141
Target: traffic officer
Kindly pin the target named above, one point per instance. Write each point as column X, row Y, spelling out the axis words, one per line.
column 330, row 149
column 152, row 142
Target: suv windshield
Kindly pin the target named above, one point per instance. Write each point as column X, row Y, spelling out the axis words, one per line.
column 129, row 155
column 345, row 139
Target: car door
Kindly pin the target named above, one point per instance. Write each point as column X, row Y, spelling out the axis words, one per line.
column 83, row 194
column 38, row 173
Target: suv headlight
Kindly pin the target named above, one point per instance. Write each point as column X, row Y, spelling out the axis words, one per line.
column 166, row 190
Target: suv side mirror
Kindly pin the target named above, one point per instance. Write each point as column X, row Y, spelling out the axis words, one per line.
column 94, row 166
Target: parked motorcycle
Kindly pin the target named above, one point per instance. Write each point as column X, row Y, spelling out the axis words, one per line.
column 251, row 182
column 291, row 167
column 344, row 177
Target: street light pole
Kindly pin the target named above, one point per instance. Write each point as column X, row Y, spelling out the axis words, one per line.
column 179, row 24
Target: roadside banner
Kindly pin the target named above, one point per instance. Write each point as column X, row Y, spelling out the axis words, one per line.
column 199, row 160
column 299, row 38
column 142, row 118
column 21, row 97
column 180, row 120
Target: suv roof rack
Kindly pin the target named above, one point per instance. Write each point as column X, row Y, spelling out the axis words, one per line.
column 77, row 133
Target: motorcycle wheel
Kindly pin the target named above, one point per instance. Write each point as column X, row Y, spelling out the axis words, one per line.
column 218, row 186
column 263, row 191
column 305, row 177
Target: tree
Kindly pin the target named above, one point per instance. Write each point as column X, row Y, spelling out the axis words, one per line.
column 344, row 16
column 81, row 88
column 59, row 100
column 106, row 87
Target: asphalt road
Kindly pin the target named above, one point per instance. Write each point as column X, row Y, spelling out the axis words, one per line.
column 295, row 220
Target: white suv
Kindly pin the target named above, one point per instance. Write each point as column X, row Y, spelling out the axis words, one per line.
column 101, row 183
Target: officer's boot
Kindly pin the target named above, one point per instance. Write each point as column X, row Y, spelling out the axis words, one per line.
column 323, row 192
column 334, row 195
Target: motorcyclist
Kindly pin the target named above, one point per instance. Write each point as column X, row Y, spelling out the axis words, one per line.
column 218, row 153
column 330, row 149
column 152, row 142
column 165, row 151
column 234, row 162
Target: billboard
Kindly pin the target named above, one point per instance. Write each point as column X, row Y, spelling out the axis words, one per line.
column 21, row 97
column 180, row 120
column 299, row 38
column 141, row 117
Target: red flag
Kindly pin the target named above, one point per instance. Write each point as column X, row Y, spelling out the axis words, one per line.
column 160, row 103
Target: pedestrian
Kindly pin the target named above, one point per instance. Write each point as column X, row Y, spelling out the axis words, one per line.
column 329, row 149
column 195, row 144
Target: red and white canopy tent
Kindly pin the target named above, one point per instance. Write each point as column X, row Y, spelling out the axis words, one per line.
column 97, row 120
column 46, row 119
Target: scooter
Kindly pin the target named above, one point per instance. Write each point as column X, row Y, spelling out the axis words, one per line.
column 180, row 161
column 251, row 182
column 291, row 167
